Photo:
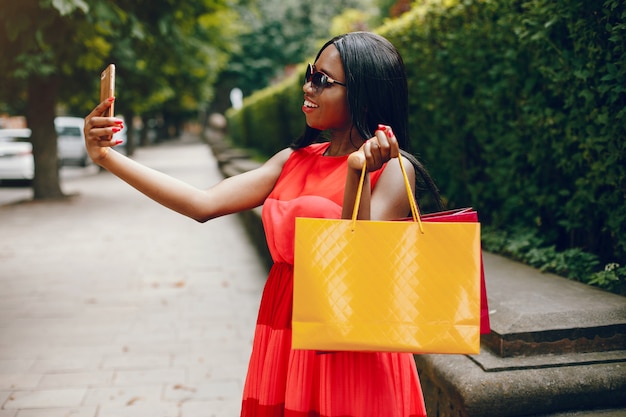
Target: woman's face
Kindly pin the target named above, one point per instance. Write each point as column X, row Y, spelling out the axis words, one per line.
column 327, row 108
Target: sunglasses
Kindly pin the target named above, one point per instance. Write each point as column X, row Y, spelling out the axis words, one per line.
column 318, row 80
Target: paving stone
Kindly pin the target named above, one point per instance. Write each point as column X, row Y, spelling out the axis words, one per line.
column 59, row 412
column 77, row 379
column 45, row 398
column 214, row 408
column 150, row 376
column 4, row 396
column 66, row 364
column 136, row 361
column 19, row 381
column 12, row 366
column 124, row 396
column 142, row 410
column 219, row 390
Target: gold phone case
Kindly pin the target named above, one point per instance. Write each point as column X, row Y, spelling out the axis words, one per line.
column 107, row 87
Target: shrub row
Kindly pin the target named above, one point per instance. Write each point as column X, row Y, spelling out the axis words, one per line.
column 519, row 108
column 270, row 119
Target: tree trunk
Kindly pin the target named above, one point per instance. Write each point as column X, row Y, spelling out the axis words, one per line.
column 143, row 140
column 40, row 113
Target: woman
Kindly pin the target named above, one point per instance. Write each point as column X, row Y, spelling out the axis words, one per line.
column 356, row 84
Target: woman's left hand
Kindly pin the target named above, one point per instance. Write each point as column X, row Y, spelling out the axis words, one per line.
column 376, row 151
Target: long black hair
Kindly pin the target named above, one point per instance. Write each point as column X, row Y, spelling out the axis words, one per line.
column 377, row 93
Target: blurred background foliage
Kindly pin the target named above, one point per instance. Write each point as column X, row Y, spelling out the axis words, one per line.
column 280, row 34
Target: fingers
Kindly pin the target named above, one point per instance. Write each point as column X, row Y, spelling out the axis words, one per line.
column 389, row 143
column 376, row 151
column 101, row 134
column 99, row 131
column 98, row 128
column 101, row 108
column 356, row 160
column 380, row 148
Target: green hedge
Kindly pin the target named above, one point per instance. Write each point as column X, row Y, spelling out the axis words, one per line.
column 270, row 118
column 517, row 108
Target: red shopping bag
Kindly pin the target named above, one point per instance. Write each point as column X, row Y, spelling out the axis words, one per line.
column 468, row 215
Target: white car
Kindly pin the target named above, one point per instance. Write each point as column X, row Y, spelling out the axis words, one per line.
column 16, row 155
column 71, row 141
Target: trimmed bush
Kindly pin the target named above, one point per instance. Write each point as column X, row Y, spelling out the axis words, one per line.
column 518, row 108
column 270, row 119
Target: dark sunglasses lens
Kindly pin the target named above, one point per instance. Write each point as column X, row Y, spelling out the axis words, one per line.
column 319, row 80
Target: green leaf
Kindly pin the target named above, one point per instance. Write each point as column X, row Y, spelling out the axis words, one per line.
column 66, row 7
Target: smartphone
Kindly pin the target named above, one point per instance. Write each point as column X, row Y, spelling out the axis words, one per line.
column 107, row 87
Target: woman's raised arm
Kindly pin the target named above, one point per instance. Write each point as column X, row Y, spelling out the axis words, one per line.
column 234, row 194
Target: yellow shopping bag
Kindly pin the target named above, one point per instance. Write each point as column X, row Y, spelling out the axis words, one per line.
column 387, row 286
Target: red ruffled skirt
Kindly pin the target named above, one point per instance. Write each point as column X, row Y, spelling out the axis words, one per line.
column 299, row 383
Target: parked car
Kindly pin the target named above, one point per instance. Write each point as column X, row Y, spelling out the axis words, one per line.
column 16, row 155
column 71, row 141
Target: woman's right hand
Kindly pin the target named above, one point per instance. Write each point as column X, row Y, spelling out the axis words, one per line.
column 376, row 151
column 100, row 131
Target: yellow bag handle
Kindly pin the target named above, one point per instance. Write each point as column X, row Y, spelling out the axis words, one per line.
column 412, row 203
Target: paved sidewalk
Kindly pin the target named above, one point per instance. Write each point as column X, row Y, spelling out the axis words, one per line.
column 112, row 306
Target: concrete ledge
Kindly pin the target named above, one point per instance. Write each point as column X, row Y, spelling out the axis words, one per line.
column 534, row 313
column 455, row 386
column 489, row 362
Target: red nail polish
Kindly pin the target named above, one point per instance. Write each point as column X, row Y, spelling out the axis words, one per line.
column 115, row 129
column 111, row 99
column 382, row 127
column 389, row 133
column 117, row 142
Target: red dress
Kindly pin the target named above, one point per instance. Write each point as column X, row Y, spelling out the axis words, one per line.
column 282, row 382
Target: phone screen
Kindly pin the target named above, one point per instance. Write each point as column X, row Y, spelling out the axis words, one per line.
column 107, row 87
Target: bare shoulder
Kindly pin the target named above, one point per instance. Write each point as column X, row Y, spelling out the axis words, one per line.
column 280, row 158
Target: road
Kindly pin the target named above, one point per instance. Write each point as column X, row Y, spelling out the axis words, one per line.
column 111, row 305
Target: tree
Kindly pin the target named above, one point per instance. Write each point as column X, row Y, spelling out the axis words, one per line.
column 52, row 50
column 170, row 56
column 44, row 45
